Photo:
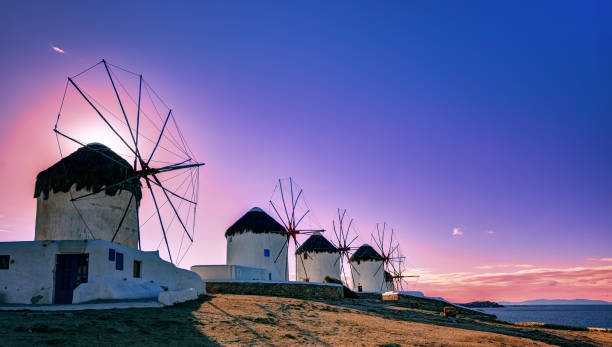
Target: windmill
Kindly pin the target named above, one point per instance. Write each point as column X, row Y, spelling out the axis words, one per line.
column 291, row 211
column 107, row 103
column 392, row 259
column 397, row 270
column 344, row 240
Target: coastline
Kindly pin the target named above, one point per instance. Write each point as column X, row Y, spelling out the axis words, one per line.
column 569, row 316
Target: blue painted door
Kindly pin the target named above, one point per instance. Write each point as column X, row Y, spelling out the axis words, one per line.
column 70, row 271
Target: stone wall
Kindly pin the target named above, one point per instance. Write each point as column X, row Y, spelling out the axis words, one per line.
column 438, row 306
column 300, row 290
column 229, row 272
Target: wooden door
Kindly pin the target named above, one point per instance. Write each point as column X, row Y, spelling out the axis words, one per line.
column 70, row 271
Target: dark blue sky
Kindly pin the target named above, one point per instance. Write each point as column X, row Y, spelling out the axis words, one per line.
column 479, row 115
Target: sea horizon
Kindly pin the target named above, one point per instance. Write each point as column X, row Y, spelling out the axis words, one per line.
column 580, row 316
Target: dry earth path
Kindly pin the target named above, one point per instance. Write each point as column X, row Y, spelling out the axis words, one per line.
column 271, row 321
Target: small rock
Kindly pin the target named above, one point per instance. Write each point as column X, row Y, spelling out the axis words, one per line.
column 449, row 311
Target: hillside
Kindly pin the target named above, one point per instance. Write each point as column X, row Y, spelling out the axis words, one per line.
column 259, row 320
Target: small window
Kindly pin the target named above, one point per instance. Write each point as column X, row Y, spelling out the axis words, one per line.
column 359, row 288
column 4, row 262
column 111, row 254
column 266, row 252
column 46, row 197
column 119, row 261
column 137, row 266
column 305, row 255
column 270, row 276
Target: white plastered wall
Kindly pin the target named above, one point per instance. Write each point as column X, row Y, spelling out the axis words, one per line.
column 31, row 274
column 248, row 249
column 57, row 218
column 316, row 265
column 365, row 273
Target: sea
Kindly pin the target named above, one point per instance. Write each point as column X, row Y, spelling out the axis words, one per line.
column 592, row 316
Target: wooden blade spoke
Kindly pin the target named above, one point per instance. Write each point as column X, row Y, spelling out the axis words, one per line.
column 279, row 216
column 105, row 188
column 175, row 167
column 352, row 266
column 166, row 190
column 289, row 221
column 298, row 223
column 161, row 133
column 292, row 202
column 91, row 149
column 298, row 197
column 138, row 120
column 102, row 116
column 127, row 208
column 161, row 223
column 335, row 233
column 381, row 265
column 127, row 122
column 353, row 240
column 281, row 250
column 173, row 208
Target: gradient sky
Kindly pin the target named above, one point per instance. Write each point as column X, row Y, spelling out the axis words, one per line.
column 480, row 131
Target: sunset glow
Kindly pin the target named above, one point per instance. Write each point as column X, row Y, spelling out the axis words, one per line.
column 493, row 167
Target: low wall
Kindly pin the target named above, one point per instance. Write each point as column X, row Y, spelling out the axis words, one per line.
column 229, row 272
column 299, row 290
column 438, row 306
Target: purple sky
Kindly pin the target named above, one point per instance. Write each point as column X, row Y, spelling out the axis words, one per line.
column 492, row 118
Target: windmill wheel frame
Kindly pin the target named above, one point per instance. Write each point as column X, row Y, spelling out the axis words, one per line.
column 97, row 105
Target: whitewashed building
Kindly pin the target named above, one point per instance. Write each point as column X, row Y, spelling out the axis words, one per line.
column 367, row 272
column 257, row 240
column 316, row 259
column 75, row 271
column 72, row 259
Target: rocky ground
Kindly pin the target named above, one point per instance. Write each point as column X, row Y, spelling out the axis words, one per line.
column 272, row 321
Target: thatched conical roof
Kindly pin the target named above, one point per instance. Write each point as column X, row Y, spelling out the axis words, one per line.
column 255, row 221
column 365, row 252
column 317, row 243
column 91, row 167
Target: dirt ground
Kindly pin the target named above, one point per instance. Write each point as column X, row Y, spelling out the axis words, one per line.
column 270, row 321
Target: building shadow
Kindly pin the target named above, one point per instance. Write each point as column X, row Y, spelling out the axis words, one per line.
column 170, row 326
column 296, row 328
column 261, row 339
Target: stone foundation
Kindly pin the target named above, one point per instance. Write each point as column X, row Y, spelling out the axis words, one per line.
column 299, row 290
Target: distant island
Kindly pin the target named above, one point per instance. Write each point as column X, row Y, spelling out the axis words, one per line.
column 558, row 302
column 481, row 304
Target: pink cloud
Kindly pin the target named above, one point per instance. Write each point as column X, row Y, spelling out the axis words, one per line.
column 489, row 267
column 608, row 259
column 457, row 231
column 525, row 284
column 58, row 50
